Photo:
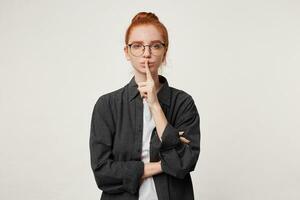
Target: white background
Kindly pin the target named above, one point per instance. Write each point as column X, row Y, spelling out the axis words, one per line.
column 238, row 59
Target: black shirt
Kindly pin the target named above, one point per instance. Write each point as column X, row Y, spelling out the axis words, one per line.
column 116, row 143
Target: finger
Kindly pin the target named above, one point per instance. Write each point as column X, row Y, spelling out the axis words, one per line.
column 184, row 140
column 142, row 83
column 142, row 89
column 181, row 132
column 148, row 73
column 143, row 95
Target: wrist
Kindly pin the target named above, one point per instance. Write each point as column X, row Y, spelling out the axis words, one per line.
column 151, row 169
column 155, row 107
column 159, row 166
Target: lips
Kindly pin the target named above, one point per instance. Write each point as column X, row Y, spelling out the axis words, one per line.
column 149, row 63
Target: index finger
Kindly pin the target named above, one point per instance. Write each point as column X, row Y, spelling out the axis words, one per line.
column 148, row 73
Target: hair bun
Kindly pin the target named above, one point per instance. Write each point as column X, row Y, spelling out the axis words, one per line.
column 144, row 16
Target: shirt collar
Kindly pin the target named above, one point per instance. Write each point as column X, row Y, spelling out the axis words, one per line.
column 163, row 94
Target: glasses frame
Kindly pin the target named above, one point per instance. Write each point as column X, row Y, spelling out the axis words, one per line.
column 144, row 47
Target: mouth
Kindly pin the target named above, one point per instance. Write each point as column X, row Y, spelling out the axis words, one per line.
column 149, row 63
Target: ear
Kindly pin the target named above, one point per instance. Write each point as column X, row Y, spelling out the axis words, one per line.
column 126, row 53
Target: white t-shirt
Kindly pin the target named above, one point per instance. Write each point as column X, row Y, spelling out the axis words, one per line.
column 147, row 189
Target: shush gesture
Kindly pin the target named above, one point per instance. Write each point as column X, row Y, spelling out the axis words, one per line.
column 147, row 89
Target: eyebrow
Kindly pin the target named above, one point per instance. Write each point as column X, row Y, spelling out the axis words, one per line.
column 139, row 41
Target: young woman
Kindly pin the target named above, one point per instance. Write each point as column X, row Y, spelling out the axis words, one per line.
column 145, row 136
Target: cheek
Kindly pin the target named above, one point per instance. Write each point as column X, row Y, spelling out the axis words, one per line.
column 133, row 61
column 135, row 64
column 159, row 60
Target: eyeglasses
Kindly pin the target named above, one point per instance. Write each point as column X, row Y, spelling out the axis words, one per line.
column 138, row 49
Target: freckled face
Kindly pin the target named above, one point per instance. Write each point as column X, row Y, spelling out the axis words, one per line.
column 148, row 34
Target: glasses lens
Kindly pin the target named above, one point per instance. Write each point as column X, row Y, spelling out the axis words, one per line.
column 137, row 49
column 157, row 49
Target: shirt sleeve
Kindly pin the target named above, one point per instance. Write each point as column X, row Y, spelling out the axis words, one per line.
column 111, row 176
column 178, row 158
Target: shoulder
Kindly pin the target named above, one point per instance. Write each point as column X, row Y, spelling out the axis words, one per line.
column 109, row 98
column 180, row 96
column 183, row 103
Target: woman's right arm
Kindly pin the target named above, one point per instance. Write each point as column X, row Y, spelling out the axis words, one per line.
column 111, row 176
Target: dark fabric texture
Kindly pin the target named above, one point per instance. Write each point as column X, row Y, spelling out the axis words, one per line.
column 116, row 143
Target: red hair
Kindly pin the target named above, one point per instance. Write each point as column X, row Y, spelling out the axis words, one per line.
column 148, row 18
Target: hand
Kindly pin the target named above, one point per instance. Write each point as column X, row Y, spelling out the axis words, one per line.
column 147, row 88
column 151, row 169
column 183, row 139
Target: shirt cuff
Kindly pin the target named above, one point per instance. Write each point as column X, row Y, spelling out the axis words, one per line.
column 133, row 173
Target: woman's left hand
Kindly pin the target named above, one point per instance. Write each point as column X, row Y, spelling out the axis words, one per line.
column 147, row 89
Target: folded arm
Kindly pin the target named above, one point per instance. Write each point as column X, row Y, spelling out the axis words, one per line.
column 180, row 142
column 111, row 176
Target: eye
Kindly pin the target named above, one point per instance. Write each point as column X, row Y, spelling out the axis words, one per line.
column 157, row 46
column 136, row 46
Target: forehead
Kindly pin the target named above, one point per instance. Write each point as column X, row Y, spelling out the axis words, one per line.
column 145, row 33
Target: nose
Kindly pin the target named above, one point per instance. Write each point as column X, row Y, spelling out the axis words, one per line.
column 147, row 53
